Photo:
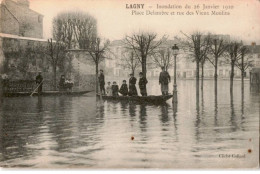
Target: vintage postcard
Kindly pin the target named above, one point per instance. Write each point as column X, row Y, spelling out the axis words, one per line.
column 129, row 84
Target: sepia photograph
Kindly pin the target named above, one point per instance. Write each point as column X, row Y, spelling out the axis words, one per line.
column 129, row 84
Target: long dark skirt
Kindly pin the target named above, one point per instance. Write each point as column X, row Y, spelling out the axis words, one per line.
column 132, row 90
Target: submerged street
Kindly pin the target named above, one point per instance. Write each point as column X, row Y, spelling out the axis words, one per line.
column 62, row 132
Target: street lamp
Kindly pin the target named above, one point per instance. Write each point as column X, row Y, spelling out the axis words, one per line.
column 175, row 53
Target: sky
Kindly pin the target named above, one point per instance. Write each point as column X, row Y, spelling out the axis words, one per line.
column 115, row 21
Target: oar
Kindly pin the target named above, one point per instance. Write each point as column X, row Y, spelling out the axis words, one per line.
column 36, row 89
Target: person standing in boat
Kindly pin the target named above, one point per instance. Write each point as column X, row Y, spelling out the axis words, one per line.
column 101, row 79
column 62, row 83
column 115, row 89
column 132, row 88
column 39, row 82
column 142, row 84
column 109, row 89
column 164, row 80
column 124, row 89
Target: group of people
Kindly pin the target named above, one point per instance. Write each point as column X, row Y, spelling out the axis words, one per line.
column 114, row 90
column 124, row 90
column 65, row 84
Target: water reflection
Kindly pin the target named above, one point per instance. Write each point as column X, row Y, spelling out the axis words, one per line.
column 142, row 118
column 232, row 114
column 89, row 132
column 164, row 113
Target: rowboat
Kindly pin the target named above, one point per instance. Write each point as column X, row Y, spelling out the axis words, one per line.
column 141, row 99
column 46, row 93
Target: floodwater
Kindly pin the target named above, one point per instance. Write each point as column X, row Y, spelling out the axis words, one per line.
column 84, row 132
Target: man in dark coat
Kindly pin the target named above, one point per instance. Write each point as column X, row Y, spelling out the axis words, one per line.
column 39, row 80
column 115, row 89
column 124, row 89
column 62, row 83
column 142, row 84
column 101, row 79
column 132, row 88
column 164, row 80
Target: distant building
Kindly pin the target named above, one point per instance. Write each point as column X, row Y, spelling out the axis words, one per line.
column 255, row 52
column 115, row 63
column 17, row 18
column 186, row 67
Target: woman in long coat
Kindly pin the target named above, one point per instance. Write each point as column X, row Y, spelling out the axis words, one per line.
column 132, row 88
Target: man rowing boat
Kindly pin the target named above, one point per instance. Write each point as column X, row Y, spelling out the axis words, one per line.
column 39, row 80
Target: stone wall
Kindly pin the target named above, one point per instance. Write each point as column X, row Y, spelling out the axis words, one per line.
column 21, row 60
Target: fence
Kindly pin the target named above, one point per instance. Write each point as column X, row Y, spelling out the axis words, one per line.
column 10, row 86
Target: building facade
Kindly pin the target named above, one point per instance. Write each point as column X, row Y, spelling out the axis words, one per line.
column 186, row 67
column 17, row 18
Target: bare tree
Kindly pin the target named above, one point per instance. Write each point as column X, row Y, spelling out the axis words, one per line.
column 85, row 30
column 55, row 53
column 244, row 62
column 162, row 58
column 217, row 49
column 234, row 53
column 198, row 45
column 129, row 61
column 75, row 29
column 97, row 51
column 143, row 45
column 63, row 28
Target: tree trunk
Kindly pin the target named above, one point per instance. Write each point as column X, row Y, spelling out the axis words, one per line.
column 232, row 76
column 54, row 77
column 197, row 77
column 144, row 66
column 242, row 70
column 202, row 76
column 133, row 71
column 216, row 76
column 242, row 76
column 97, row 83
column 216, row 69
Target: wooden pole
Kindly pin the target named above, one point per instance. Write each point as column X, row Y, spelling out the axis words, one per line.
column 36, row 88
